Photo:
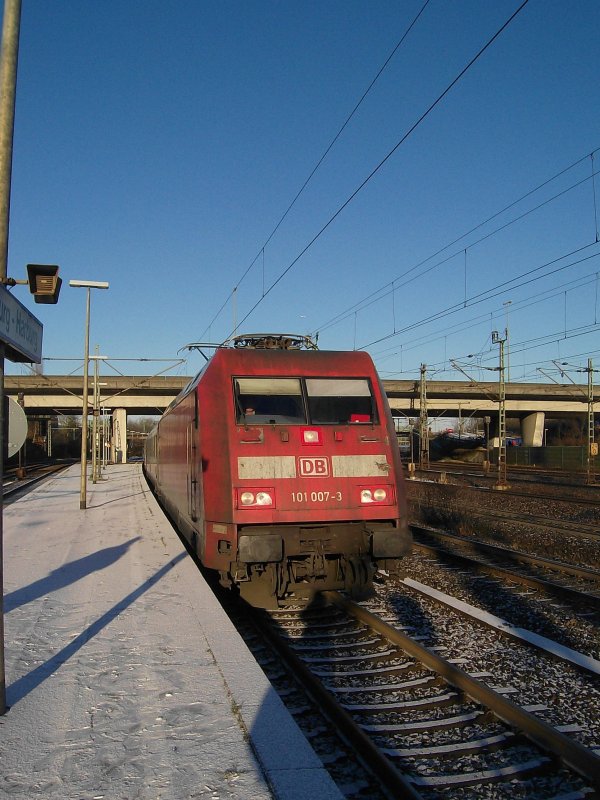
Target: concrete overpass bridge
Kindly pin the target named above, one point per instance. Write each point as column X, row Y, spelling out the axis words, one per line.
column 48, row 396
column 530, row 403
column 120, row 396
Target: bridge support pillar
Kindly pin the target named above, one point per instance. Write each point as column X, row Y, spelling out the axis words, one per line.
column 532, row 429
column 118, row 444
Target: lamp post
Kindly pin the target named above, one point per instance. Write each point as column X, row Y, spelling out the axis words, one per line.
column 89, row 285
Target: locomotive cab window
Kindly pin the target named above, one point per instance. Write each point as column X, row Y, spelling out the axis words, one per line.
column 263, row 401
column 340, row 401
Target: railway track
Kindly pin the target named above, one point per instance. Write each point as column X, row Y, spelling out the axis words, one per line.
column 14, row 487
column 578, row 529
column 521, row 477
column 425, row 727
column 553, row 577
column 540, row 613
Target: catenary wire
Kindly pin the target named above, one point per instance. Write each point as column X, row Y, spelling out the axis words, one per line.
column 459, row 327
column 492, row 292
column 384, row 160
column 516, row 348
column 320, row 161
column 440, row 367
column 392, row 286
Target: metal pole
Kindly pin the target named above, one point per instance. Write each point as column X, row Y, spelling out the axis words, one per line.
column 591, row 447
column 95, row 423
column 3, row 708
column 22, row 471
column 8, row 86
column 502, row 419
column 501, row 483
column 506, row 305
column 84, row 416
column 423, row 421
column 103, row 439
column 487, row 421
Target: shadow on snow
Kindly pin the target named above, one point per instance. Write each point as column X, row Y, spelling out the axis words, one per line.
column 27, row 683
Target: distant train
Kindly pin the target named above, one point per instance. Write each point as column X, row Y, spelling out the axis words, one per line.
column 279, row 465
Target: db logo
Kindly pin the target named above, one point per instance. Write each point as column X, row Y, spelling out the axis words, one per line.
column 314, row 467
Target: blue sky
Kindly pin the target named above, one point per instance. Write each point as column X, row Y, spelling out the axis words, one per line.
column 157, row 146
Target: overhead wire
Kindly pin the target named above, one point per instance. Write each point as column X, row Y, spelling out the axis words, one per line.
column 320, row 161
column 546, row 294
column 376, row 169
column 516, row 347
column 392, row 286
column 492, row 292
column 527, row 302
column 441, row 367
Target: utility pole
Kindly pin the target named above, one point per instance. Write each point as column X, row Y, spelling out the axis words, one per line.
column 8, row 87
column 592, row 448
column 592, row 445
column 507, row 305
column 501, row 483
column 423, row 421
column 95, row 422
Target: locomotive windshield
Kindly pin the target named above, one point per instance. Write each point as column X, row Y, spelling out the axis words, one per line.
column 339, row 400
column 333, row 401
column 269, row 400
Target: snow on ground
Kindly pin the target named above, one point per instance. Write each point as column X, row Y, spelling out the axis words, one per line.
column 122, row 681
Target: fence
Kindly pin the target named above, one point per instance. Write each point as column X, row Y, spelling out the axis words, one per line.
column 565, row 458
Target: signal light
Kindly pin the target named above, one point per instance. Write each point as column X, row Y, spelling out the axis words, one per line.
column 311, row 436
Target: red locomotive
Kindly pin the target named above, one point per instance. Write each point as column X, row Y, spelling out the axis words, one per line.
column 279, row 464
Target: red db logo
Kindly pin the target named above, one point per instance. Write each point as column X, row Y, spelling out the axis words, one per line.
column 314, row 467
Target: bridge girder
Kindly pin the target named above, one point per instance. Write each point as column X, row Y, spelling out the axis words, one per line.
column 141, row 395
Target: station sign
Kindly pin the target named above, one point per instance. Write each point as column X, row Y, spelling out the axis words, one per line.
column 20, row 331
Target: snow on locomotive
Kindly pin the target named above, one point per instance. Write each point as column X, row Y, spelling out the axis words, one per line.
column 279, row 464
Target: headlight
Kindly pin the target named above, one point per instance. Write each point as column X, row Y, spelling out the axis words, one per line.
column 383, row 495
column 256, row 498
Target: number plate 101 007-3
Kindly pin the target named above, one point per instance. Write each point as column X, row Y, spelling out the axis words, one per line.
column 317, row 497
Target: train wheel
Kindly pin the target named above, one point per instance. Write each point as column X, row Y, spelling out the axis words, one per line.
column 359, row 578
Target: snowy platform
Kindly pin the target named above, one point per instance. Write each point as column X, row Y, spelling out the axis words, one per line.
column 124, row 677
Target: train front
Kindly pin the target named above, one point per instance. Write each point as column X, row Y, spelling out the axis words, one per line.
column 317, row 490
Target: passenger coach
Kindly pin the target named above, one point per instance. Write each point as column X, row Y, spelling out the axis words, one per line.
column 279, row 464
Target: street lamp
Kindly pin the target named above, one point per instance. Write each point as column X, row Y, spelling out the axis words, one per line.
column 89, row 285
